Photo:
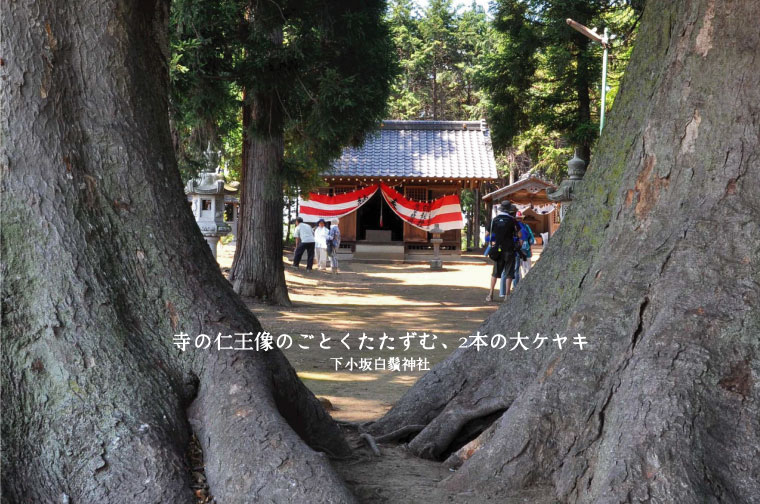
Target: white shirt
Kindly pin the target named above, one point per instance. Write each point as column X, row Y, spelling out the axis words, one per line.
column 320, row 236
column 304, row 232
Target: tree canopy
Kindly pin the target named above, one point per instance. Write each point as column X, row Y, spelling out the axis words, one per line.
column 519, row 65
column 439, row 50
column 330, row 75
column 544, row 79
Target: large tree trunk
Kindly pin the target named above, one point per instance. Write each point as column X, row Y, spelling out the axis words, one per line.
column 582, row 81
column 257, row 270
column 102, row 263
column 658, row 265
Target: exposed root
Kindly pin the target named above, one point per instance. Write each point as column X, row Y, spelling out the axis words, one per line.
column 400, row 433
column 332, row 455
column 459, row 457
column 371, row 443
column 439, row 434
column 239, row 424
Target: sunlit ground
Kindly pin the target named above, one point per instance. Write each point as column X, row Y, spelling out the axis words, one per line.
column 373, row 299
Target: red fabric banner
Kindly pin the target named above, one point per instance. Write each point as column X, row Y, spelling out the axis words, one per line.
column 321, row 206
column 445, row 211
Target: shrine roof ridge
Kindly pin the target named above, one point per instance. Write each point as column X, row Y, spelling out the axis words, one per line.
column 421, row 149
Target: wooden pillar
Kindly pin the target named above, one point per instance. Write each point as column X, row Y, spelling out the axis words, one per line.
column 476, row 218
column 469, row 231
column 468, row 234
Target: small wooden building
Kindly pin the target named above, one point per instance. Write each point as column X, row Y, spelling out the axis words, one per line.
column 422, row 160
column 529, row 195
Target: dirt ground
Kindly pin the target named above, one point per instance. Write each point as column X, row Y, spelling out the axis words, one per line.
column 372, row 300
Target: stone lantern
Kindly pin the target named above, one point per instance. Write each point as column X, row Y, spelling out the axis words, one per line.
column 207, row 193
column 436, row 263
column 576, row 169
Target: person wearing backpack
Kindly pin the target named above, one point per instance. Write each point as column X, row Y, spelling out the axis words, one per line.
column 529, row 239
column 520, row 254
column 333, row 243
column 504, row 230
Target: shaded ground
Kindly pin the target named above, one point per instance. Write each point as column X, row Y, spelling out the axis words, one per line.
column 373, row 299
column 396, row 477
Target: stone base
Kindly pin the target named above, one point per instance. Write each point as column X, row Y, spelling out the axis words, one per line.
column 212, row 243
column 383, row 251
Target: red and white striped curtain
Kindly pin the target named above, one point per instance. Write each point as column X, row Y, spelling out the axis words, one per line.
column 445, row 211
column 320, row 206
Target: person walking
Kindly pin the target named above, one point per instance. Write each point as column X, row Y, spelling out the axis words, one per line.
column 504, row 229
column 515, row 276
column 333, row 244
column 304, row 242
column 320, row 244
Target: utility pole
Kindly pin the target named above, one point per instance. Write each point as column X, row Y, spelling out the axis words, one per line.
column 604, row 40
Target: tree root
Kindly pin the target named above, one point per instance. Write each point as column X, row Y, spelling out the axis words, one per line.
column 438, row 435
column 332, row 455
column 399, row 433
column 351, row 425
column 459, row 457
column 238, row 422
column 371, row 443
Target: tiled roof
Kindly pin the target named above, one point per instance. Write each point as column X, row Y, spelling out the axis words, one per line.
column 426, row 149
column 531, row 184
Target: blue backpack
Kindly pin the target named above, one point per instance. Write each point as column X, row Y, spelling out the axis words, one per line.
column 528, row 238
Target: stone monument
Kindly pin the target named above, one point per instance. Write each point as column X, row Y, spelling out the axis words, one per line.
column 207, row 194
column 436, row 263
column 576, row 169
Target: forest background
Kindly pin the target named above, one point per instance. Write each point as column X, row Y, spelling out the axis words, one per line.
column 516, row 64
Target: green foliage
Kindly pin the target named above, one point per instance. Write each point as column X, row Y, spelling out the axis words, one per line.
column 440, row 51
column 203, row 106
column 548, row 150
column 544, row 78
column 325, row 67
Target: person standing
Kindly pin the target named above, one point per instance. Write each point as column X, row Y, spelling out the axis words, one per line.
column 504, row 230
column 516, row 276
column 320, row 244
column 304, row 242
column 333, row 244
column 528, row 240
column 487, row 240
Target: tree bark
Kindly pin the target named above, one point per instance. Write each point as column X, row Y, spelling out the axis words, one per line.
column 582, row 83
column 102, row 264
column 290, row 217
column 257, row 269
column 657, row 265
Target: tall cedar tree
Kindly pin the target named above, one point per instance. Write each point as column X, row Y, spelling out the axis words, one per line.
column 544, row 72
column 314, row 76
column 440, row 51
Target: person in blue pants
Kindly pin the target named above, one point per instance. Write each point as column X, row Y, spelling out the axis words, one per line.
column 515, row 277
